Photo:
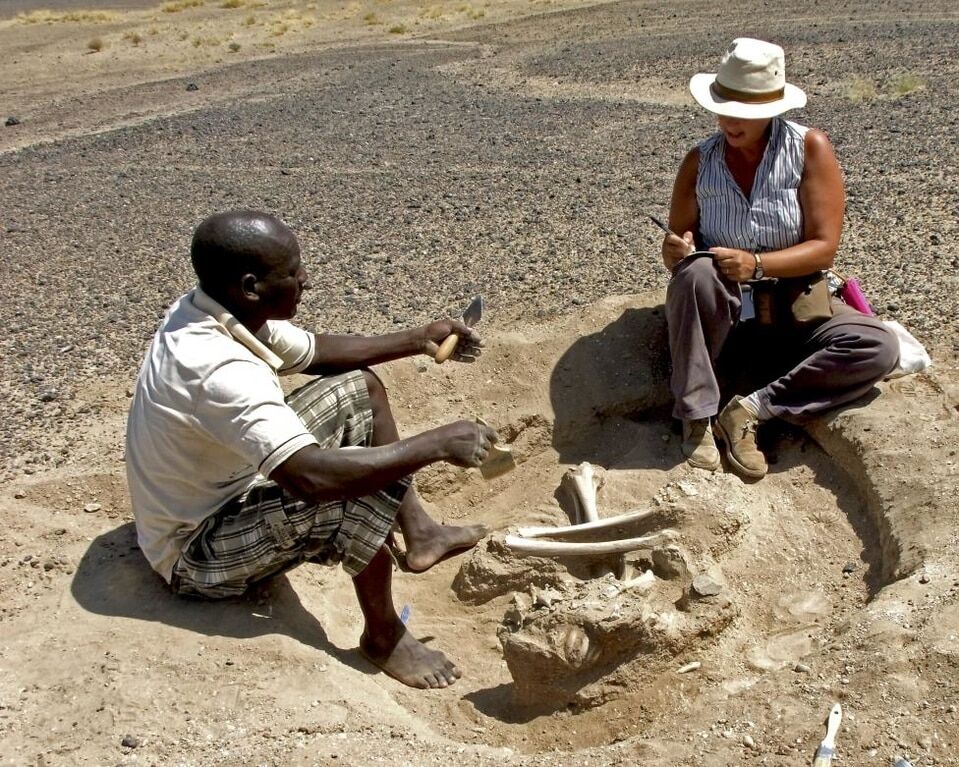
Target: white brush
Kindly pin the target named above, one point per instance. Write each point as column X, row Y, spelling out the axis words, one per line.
column 827, row 749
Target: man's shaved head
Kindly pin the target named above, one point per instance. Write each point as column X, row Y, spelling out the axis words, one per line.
column 228, row 245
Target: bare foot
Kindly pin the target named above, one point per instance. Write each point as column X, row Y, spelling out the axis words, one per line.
column 410, row 661
column 441, row 542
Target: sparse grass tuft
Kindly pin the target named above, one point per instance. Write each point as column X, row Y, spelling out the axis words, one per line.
column 233, row 3
column 860, row 89
column 476, row 13
column 96, row 45
column 234, row 46
column 433, row 12
column 398, row 29
column 134, row 37
column 905, row 83
column 79, row 17
column 279, row 29
column 250, row 20
column 199, row 42
column 181, row 5
column 371, row 18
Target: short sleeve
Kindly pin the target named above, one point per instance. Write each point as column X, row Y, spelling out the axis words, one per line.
column 291, row 344
column 241, row 406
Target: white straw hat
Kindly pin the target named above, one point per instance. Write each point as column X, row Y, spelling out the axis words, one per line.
column 751, row 82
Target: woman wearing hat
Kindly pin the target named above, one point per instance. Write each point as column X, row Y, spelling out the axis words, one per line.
column 762, row 198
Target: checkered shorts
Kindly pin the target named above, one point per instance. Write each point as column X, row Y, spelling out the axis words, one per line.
column 266, row 530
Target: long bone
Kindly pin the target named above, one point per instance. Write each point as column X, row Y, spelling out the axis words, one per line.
column 542, row 548
column 582, row 483
column 573, row 530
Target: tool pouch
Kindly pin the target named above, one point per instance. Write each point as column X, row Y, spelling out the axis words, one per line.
column 792, row 302
column 806, row 300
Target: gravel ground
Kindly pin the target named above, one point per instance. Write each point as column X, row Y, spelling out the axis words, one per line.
column 419, row 173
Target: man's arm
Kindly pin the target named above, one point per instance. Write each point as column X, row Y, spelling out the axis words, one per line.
column 339, row 354
column 316, row 475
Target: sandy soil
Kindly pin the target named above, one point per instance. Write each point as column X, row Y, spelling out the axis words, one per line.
column 517, row 158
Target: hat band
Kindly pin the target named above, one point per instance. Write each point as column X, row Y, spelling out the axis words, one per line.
column 731, row 94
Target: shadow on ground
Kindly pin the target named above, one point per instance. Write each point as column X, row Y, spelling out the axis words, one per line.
column 619, row 372
column 114, row 579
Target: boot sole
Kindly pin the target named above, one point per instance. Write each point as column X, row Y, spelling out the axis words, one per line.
column 744, row 471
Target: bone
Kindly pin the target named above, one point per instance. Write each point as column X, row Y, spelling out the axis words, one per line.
column 542, row 548
column 573, row 530
column 582, row 483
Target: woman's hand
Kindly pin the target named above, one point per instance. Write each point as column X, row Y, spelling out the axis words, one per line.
column 736, row 265
column 676, row 248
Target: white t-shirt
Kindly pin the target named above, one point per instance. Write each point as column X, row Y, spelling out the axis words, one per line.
column 208, row 419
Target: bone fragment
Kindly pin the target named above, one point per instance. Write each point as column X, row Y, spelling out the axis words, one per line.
column 582, row 482
column 689, row 667
column 598, row 548
column 642, row 583
column 600, row 524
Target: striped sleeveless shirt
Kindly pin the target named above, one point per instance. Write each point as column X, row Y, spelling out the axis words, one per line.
column 771, row 219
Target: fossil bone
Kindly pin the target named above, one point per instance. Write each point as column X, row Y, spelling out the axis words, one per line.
column 582, row 482
column 572, row 530
column 534, row 547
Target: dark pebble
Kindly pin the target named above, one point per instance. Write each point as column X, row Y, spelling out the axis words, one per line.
column 850, row 567
column 48, row 396
column 11, row 121
column 129, row 741
column 193, row 87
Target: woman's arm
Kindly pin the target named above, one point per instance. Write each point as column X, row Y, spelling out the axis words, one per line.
column 822, row 198
column 683, row 211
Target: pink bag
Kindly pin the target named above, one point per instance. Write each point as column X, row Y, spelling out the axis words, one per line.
column 852, row 294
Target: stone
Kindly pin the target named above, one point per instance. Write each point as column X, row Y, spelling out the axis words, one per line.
column 193, row 87
column 705, row 586
column 90, row 508
column 130, row 741
column 11, row 121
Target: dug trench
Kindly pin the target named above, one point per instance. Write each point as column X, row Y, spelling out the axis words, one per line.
column 577, row 652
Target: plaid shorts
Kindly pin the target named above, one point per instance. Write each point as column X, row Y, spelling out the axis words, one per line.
column 267, row 531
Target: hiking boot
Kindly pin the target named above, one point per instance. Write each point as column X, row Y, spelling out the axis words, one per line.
column 699, row 447
column 736, row 427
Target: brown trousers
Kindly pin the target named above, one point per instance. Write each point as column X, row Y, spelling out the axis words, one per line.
column 805, row 372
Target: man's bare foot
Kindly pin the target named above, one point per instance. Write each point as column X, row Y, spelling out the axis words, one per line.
column 410, row 661
column 441, row 542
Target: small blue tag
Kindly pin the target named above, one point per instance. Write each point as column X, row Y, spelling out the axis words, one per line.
column 405, row 614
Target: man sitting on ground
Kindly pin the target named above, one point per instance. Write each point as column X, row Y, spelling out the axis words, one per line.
column 231, row 484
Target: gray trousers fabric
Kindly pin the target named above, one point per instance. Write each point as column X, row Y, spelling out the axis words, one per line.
column 820, row 368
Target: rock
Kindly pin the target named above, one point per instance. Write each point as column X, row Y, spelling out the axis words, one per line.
column 192, row 87
column 748, row 742
column 11, row 121
column 129, row 741
column 19, row 494
column 802, row 668
column 849, row 567
column 89, row 508
column 705, row 586
column 924, row 578
column 48, row 396
column 670, row 562
column 691, row 666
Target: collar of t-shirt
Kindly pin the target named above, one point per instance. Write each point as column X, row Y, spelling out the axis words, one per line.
column 235, row 328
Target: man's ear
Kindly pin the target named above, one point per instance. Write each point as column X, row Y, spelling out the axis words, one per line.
column 248, row 287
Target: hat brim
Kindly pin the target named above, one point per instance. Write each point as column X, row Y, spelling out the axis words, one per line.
column 699, row 86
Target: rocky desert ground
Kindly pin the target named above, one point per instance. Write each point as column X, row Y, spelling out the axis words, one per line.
column 425, row 152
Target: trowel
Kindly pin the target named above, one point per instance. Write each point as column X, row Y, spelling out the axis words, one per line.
column 472, row 315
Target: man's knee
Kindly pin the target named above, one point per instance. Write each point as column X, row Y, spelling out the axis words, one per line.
column 375, row 388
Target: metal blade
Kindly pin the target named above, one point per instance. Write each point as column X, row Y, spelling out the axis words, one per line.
column 474, row 312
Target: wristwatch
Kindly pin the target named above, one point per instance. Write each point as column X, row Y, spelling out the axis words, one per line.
column 760, row 272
